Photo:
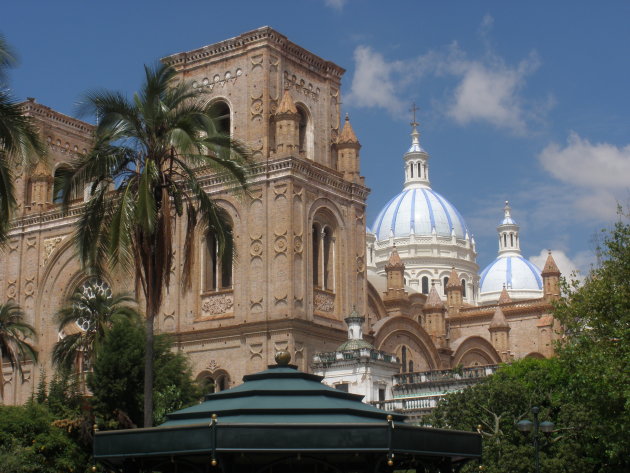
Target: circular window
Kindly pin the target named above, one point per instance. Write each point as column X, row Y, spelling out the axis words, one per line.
column 90, row 289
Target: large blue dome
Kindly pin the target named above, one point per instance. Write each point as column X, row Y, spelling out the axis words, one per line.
column 513, row 272
column 419, row 210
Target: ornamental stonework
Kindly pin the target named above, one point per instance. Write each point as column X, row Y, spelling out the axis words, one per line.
column 217, row 304
column 324, row 302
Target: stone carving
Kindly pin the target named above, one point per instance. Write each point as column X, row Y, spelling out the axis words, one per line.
column 11, row 288
column 212, row 366
column 13, row 246
column 50, row 244
column 256, row 247
column 280, row 190
column 324, row 302
column 256, row 107
column 217, row 304
column 31, row 242
column 218, row 80
column 255, row 350
column 255, row 193
column 257, row 61
column 280, row 300
column 274, row 61
column 297, row 244
column 256, row 305
column 281, row 244
column 307, row 89
column 29, row 286
column 360, row 264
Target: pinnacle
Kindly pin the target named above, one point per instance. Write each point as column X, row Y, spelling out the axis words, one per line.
column 504, row 298
column 347, row 133
column 550, row 268
column 498, row 319
column 394, row 259
column 434, row 301
column 286, row 105
column 453, row 279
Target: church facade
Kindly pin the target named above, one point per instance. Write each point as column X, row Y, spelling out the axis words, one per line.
column 304, row 256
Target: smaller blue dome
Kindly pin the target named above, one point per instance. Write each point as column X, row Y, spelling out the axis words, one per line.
column 513, row 272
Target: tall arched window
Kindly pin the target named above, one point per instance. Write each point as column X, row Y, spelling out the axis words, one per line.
column 305, row 132
column 403, row 358
column 425, row 285
column 323, row 255
column 57, row 191
column 221, row 113
column 463, row 288
column 445, row 284
column 218, row 268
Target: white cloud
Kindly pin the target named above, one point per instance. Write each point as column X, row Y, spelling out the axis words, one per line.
column 594, row 175
column 336, row 4
column 571, row 268
column 375, row 81
column 489, row 91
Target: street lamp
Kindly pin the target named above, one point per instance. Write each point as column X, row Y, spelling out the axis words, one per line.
column 526, row 426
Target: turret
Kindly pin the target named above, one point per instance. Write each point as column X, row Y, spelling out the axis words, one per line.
column 348, row 147
column 40, row 188
column 435, row 317
column 499, row 334
column 287, row 121
column 551, row 279
column 508, row 233
column 416, row 162
column 454, row 291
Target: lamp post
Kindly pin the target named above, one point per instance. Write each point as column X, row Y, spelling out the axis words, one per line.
column 526, row 426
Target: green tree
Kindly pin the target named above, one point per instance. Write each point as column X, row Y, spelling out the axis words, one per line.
column 116, row 382
column 596, row 350
column 19, row 140
column 32, row 442
column 85, row 319
column 15, row 338
column 142, row 172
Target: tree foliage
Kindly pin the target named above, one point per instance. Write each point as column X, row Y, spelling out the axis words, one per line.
column 32, row 442
column 94, row 311
column 585, row 390
column 16, row 337
column 19, row 141
column 117, row 380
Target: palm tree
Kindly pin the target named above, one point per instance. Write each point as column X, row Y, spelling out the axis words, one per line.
column 90, row 311
column 142, row 174
column 19, row 140
column 14, row 336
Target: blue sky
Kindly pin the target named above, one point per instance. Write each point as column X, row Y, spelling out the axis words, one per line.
column 519, row 101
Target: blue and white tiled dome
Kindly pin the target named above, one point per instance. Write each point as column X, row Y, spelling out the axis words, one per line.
column 419, row 211
column 513, row 272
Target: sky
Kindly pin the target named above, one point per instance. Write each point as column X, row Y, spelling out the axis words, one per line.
column 519, row 101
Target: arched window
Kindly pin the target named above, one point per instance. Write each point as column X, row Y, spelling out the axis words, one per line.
column 214, row 383
column 463, row 287
column 305, row 132
column 316, row 263
column 445, row 284
column 411, row 366
column 218, row 268
column 425, row 285
column 419, row 170
column 511, row 239
column 57, row 191
column 411, row 169
column 403, row 358
column 220, row 111
column 323, row 254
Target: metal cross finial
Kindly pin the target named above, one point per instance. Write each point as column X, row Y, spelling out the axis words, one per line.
column 413, row 110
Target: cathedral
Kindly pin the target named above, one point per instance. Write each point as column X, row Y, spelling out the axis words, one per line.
column 305, row 257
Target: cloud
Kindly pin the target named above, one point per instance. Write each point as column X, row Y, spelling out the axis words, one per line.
column 594, row 174
column 375, row 81
column 489, row 91
column 571, row 268
column 336, row 4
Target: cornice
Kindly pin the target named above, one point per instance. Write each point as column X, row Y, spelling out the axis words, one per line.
column 47, row 114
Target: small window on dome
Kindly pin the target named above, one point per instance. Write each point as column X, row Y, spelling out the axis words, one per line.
column 411, row 169
column 425, row 285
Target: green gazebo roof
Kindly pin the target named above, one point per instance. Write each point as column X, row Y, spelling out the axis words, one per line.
column 272, row 417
